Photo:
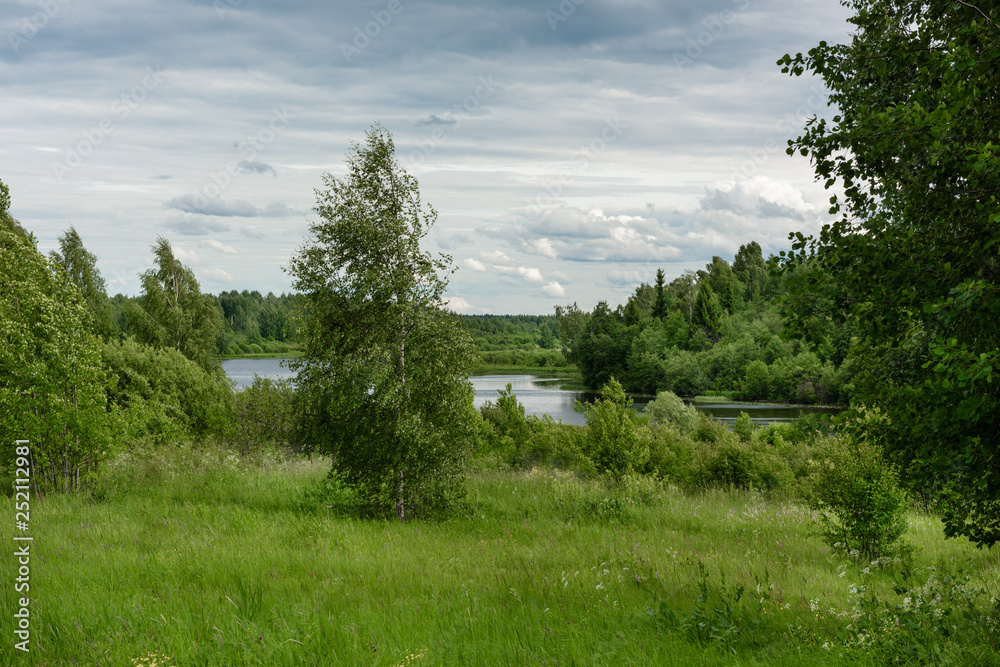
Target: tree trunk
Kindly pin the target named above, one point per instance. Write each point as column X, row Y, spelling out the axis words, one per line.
column 400, row 512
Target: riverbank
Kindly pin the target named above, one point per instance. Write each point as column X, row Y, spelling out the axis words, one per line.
column 291, row 354
column 548, row 371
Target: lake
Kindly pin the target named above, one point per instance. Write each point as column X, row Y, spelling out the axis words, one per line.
column 542, row 395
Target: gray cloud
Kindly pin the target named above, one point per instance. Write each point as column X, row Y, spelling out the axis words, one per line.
column 199, row 203
column 280, row 210
column 435, row 119
column 205, row 129
column 255, row 167
column 195, row 227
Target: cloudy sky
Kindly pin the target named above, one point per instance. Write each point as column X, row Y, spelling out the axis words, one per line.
column 571, row 148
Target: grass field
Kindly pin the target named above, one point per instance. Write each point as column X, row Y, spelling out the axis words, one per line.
column 195, row 558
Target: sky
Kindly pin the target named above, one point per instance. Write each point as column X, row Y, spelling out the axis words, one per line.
column 570, row 147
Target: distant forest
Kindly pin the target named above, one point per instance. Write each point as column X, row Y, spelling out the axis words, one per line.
column 715, row 330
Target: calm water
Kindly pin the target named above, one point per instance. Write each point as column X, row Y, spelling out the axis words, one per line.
column 242, row 371
column 539, row 394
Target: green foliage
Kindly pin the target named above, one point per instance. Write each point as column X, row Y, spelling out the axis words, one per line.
column 934, row 622
column 572, row 324
column 857, row 493
column 172, row 312
column 661, row 307
column 668, row 407
column 750, row 269
column 755, row 380
column 613, row 439
column 913, row 261
column 508, row 431
column 722, row 616
column 52, row 383
column 602, row 349
column 382, row 384
column 81, row 268
column 744, row 427
column 707, row 311
column 163, row 395
column 263, row 415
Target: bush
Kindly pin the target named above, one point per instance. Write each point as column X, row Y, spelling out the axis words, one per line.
column 755, row 380
column 522, row 441
column 263, row 413
column 613, row 439
column 668, row 407
column 163, row 394
column 744, row 427
column 745, row 466
column 858, row 495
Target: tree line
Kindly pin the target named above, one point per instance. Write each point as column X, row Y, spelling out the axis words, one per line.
column 715, row 329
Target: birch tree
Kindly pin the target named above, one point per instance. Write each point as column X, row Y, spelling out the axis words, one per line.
column 382, row 385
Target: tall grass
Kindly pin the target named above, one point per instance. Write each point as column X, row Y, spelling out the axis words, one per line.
column 189, row 556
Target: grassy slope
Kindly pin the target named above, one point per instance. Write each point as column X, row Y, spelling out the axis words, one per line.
column 213, row 563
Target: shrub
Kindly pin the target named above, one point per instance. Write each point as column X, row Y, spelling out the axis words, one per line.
column 755, row 379
column 613, row 439
column 744, row 427
column 740, row 465
column 521, row 441
column 858, row 495
column 668, row 407
column 163, row 393
column 263, row 413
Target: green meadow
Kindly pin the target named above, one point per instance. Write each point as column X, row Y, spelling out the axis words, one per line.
column 199, row 556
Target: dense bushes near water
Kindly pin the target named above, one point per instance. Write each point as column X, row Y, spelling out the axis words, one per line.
column 843, row 476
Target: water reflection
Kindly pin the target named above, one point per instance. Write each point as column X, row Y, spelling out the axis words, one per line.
column 541, row 394
column 556, row 396
column 241, row 371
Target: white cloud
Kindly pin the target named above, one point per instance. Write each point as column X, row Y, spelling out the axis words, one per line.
column 219, row 275
column 473, row 264
column 459, row 305
column 554, row 289
column 542, row 246
column 185, row 256
column 221, row 247
column 495, row 256
column 531, row 275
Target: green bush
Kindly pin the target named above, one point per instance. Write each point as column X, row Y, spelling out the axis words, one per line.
column 613, row 439
column 522, row 441
column 163, row 394
column 263, row 414
column 744, row 427
column 755, row 380
column 858, row 495
column 668, row 407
